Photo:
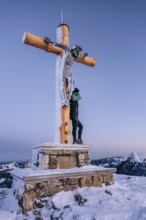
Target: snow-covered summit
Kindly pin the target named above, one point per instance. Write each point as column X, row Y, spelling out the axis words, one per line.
column 137, row 158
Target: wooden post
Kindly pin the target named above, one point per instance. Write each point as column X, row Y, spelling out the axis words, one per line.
column 65, row 127
column 64, row 28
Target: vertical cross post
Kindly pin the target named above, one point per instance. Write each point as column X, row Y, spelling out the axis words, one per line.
column 63, row 38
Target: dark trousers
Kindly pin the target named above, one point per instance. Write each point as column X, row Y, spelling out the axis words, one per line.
column 76, row 124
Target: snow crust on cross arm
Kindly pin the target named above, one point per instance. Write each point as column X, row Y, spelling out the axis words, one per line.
column 58, row 101
column 24, row 37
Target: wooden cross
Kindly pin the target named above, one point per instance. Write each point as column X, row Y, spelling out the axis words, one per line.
column 39, row 42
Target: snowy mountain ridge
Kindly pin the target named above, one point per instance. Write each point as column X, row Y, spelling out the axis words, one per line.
column 12, row 165
column 8, row 166
column 134, row 165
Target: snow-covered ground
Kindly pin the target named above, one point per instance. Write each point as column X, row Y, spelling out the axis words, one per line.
column 125, row 200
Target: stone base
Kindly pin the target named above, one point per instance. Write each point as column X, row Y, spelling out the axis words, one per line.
column 60, row 156
column 40, row 185
column 56, row 168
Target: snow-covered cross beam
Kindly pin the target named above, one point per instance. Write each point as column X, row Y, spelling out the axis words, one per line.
column 62, row 127
column 39, row 42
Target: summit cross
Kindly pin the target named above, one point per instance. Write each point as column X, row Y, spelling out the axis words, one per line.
column 62, row 127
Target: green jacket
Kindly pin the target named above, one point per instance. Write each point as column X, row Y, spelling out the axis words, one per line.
column 76, row 97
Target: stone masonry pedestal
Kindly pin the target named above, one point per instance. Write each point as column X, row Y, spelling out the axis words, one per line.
column 56, row 168
column 64, row 156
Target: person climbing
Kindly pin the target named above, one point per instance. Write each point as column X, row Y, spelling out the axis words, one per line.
column 74, row 112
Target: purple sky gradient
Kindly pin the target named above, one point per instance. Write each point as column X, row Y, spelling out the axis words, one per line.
column 113, row 108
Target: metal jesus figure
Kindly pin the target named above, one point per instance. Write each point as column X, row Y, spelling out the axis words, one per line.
column 70, row 55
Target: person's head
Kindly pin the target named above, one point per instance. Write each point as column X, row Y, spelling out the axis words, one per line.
column 76, row 50
column 76, row 91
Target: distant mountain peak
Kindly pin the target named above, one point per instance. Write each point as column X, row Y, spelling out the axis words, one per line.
column 135, row 164
column 137, row 157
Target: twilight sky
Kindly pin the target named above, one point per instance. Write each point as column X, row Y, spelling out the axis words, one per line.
column 113, row 108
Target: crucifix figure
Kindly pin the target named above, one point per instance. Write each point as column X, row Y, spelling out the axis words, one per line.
column 64, row 80
column 69, row 56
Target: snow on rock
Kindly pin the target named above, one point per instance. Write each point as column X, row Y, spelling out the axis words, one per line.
column 2, row 180
column 125, row 200
column 28, row 164
column 21, row 173
column 62, row 199
column 34, row 157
